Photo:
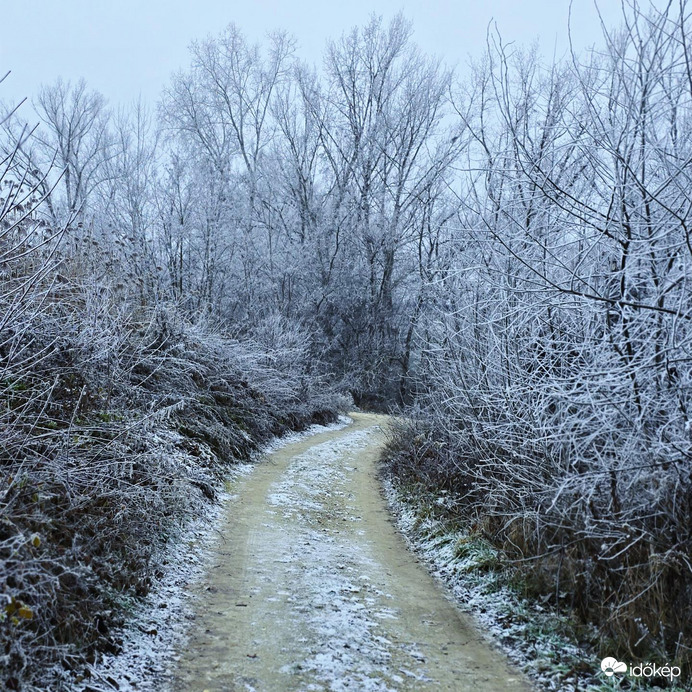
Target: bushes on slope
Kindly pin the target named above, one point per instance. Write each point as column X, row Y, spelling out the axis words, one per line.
column 118, row 423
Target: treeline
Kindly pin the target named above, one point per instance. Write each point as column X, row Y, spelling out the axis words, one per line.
column 261, row 188
column 553, row 382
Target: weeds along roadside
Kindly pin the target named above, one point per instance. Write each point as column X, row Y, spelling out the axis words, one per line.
column 120, row 416
column 556, row 613
column 119, row 422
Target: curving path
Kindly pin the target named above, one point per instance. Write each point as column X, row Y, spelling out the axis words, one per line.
column 312, row 588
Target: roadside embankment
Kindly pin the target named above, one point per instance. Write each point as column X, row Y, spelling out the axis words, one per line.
column 119, row 424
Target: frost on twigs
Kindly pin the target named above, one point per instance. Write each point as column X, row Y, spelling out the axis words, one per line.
column 119, row 423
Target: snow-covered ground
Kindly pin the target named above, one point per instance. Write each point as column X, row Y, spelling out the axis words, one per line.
column 525, row 631
column 158, row 625
column 314, row 589
column 331, row 573
column 297, row 580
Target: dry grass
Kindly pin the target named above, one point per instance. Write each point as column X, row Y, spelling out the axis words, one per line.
column 629, row 578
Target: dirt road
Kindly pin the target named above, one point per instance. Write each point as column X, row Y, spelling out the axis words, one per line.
column 313, row 588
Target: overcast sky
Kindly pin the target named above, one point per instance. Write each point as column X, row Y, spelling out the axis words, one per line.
column 125, row 48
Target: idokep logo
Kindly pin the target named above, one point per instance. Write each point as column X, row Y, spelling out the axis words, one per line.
column 610, row 666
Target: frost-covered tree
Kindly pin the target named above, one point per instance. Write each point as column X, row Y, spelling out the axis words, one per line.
column 556, row 358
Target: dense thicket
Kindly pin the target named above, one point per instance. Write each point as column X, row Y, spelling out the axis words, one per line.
column 554, row 381
column 507, row 254
column 121, row 413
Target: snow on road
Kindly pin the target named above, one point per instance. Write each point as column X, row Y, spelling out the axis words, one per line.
column 313, row 589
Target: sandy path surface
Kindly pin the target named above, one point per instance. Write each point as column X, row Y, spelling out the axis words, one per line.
column 312, row 588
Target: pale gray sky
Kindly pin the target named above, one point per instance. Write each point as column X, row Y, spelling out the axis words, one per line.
column 125, row 48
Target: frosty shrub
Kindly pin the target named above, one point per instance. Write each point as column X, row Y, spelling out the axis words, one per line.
column 555, row 375
column 120, row 417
